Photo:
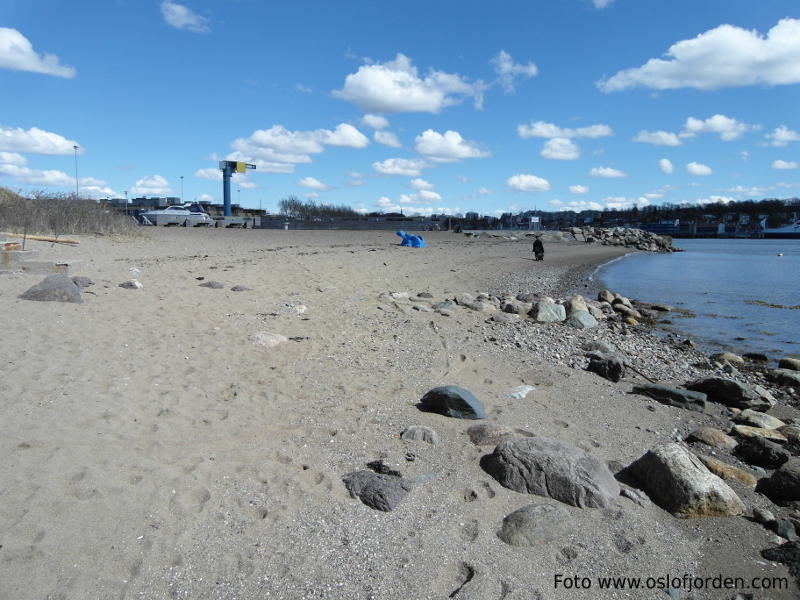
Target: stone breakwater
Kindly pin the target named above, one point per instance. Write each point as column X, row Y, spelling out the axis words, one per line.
column 627, row 237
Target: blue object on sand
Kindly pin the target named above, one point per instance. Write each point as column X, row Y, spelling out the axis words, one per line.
column 411, row 240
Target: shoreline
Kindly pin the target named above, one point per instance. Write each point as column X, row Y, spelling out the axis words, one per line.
column 158, row 435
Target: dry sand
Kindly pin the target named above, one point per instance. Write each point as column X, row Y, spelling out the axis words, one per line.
column 152, row 450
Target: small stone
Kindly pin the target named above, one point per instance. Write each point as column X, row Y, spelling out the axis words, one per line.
column 535, row 524
column 547, row 311
column 784, row 528
column 131, row 284
column 783, row 484
column 264, row 339
column 503, row 317
column 730, row 357
column 792, row 432
column 609, row 366
column 453, row 401
column 381, row 492
column 240, row 288
column 424, row 295
column 784, row 377
column 422, row 308
column 763, row 516
column 581, row 319
column 214, row 285
column 420, row 433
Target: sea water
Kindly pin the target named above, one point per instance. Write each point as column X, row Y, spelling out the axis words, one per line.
column 736, row 294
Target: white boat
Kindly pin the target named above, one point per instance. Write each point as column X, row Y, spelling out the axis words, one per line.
column 786, row 232
column 188, row 215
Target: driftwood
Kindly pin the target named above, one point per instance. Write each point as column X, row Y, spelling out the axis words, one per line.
column 43, row 238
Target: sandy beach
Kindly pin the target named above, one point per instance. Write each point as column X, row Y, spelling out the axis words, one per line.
column 154, row 447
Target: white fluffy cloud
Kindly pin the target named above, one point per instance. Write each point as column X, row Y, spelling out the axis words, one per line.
column 396, row 86
column 657, row 138
column 182, row 17
column 314, row 184
column 726, row 56
column 507, row 70
column 34, row 141
column 375, row 121
column 421, row 184
column 695, row 168
column 409, row 167
column 278, row 150
column 715, row 200
column 782, row 135
column 578, row 189
column 561, row 149
column 543, row 129
column 151, row 185
column 728, row 129
column 421, row 197
column 527, row 183
column 666, row 166
column 28, row 176
column 447, row 147
column 606, row 172
column 783, row 164
column 387, row 138
column 12, row 158
column 17, row 54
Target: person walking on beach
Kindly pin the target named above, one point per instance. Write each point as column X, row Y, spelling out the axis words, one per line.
column 538, row 248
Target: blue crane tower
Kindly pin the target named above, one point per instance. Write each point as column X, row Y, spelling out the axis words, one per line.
column 228, row 168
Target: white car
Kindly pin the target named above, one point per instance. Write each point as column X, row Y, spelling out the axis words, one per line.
column 189, row 215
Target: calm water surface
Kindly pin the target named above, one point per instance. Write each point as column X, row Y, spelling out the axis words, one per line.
column 726, row 284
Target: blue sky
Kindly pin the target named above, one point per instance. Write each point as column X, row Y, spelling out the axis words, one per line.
column 430, row 107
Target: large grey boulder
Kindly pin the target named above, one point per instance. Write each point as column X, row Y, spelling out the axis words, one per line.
column 54, row 288
column 547, row 311
column 680, row 483
column 789, row 363
column 536, row 524
column 758, row 419
column 453, row 401
column 381, row 492
column 581, row 319
column 552, row 468
column 732, row 393
column 787, row 377
column 687, row 399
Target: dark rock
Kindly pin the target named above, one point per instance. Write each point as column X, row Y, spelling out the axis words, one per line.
column 453, row 401
column 761, row 452
column 240, row 288
column 730, row 393
column 529, row 297
column 445, row 305
column 610, row 366
column 82, row 282
column 381, row 492
column 552, row 468
column 214, row 285
column 756, row 357
column 381, row 467
column 54, row 288
column 784, row 528
column 423, row 434
column 424, row 295
column 535, row 524
column 687, row 399
column 678, row 482
column 785, row 377
column 784, row 484
column 788, row 554
column 789, row 363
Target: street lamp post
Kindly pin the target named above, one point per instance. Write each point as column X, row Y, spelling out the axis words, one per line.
column 126, row 202
column 77, row 194
column 181, row 189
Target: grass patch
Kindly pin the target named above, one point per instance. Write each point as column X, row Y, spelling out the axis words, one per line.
column 60, row 214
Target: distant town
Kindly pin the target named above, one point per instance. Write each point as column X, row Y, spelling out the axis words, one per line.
column 749, row 218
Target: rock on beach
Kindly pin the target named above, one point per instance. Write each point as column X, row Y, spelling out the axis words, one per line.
column 54, row 288
column 381, row 492
column 552, row 468
column 732, row 393
column 453, row 401
column 680, row 483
